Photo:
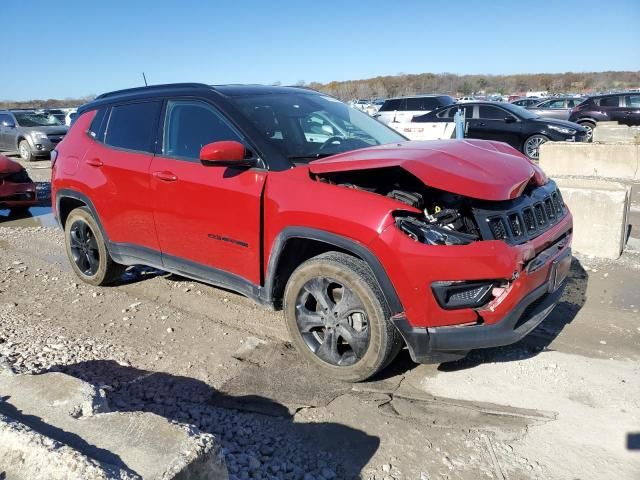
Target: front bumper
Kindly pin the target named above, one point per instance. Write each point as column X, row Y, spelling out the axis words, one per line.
column 444, row 344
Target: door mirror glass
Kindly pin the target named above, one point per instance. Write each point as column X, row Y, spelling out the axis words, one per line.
column 225, row 152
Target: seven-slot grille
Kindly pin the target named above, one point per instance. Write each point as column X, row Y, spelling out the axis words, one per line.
column 522, row 219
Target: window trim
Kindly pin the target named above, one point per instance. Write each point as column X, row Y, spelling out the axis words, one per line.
column 261, row 163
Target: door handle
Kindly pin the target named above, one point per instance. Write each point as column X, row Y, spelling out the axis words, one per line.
column 95, row 162
column 482, row 124
column 165, row 176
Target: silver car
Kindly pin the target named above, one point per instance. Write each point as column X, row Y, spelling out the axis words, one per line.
column 558, row 107
column 32, row 134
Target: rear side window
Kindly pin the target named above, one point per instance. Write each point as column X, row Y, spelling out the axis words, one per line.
column 391, row 105
column 133, row 126
column 190, row 125
column 609, row 101
column 574, row 102
column 96, row 129
column 633, row 101
column 491, row 113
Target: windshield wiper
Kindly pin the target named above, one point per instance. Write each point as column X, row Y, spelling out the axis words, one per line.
column 312, row 156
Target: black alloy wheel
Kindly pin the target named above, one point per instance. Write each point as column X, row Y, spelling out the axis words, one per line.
column 332, row 321
column 84, row 248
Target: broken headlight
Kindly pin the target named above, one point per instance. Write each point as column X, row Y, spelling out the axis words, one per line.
column 432, row 234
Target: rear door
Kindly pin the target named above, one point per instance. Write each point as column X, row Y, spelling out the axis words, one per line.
column 117, row 172
column 556, row 108
column 205, row 216
column 631, row 112
column 610, row 107
column 5, row 132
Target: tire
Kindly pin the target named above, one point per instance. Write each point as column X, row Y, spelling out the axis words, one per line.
column 25, row 151
column 590, row 126
column 320, row 334
column 92, row 263
column 531, row 146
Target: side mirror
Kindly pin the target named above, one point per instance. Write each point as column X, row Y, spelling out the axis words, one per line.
column 509, row 119
column 224, row 153
column 8, row 124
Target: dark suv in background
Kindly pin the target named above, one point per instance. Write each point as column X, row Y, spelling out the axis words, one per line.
column 31, row 133
column 623, row 108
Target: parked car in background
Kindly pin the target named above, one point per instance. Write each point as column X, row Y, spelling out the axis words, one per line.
column 70, row 116
column 55, row 112
column 466, row 99
column 403, row 109
column 366, row 241
column 31, row 134
column 558, row 107
column 623, row 108
column 526, row 102
column 510, row 124
column 17, row 190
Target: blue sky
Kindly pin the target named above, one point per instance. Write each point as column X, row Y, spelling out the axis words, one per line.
column 80, row 47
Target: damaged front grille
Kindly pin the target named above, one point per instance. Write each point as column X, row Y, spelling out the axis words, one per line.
column 522, row 219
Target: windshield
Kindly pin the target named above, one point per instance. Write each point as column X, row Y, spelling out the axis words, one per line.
column 519, row 111
column 31, row 119
column 306, row 126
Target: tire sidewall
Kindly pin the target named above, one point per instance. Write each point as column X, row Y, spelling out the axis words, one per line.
column 81, row 214
column 372, row 360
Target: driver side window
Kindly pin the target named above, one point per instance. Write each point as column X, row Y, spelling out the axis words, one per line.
column 191, row 124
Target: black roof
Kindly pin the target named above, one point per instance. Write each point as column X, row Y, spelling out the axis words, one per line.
column 182, row 88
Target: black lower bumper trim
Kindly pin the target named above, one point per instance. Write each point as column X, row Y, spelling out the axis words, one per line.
column 443, row 344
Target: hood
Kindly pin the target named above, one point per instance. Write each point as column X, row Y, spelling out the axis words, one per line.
column 560, row 123
column 8, row 166
column 479, row 169
column 49, row 129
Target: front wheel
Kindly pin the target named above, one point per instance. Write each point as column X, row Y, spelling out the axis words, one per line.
column 337, row 317
column 531, row 147
column 25, row 151
column 87, row 250
column 589, row 127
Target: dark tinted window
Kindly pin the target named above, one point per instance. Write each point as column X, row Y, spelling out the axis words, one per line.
column 423, row 103
column 5, row 118
column 133, row 126
column 609, row 101
column 190, row 125
column 96, row 129
column 391, row 105
column 632, row 101
column 491, row 113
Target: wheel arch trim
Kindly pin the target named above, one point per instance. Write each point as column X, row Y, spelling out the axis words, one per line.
column 344, row 243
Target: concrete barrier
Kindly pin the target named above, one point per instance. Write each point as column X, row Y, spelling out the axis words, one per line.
column 618, row 161
column 613, row 132
column 600, row 211
column 53, row 409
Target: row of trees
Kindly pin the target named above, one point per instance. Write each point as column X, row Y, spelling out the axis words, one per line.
column 457, row 85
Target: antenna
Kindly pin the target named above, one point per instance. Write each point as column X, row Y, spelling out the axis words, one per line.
column 145, row 79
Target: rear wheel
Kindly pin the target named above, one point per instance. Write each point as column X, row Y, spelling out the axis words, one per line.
column 87, row 250
column 337, row 317
column 531, row 147
column 25, row 151
column 589, row 126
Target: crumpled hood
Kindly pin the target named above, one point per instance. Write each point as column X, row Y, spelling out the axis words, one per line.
column 479, row 169
column 8, row 166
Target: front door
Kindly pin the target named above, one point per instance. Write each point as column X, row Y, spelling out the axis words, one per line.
column 494, row 123
column 205, row 216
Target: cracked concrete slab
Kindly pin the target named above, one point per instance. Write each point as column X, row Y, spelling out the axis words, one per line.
column 69, row 418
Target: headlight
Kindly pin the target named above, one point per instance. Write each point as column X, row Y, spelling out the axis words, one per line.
column 565, row 130
column 432, row 234
column 38, row 136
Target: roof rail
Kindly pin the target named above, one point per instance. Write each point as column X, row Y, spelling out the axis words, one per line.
column 151, row 88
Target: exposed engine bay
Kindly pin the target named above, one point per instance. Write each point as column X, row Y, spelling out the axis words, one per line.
column 446, row 218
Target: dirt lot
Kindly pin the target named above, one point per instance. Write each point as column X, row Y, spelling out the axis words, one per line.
column 562, row 404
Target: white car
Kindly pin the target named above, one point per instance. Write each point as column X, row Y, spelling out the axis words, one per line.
column 403, row 109
column 466, row 99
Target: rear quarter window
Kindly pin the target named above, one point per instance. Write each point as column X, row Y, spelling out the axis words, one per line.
column 96, row 129
column 133, row 126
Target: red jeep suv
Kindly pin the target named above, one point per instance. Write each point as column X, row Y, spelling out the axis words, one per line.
column 368, row 242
